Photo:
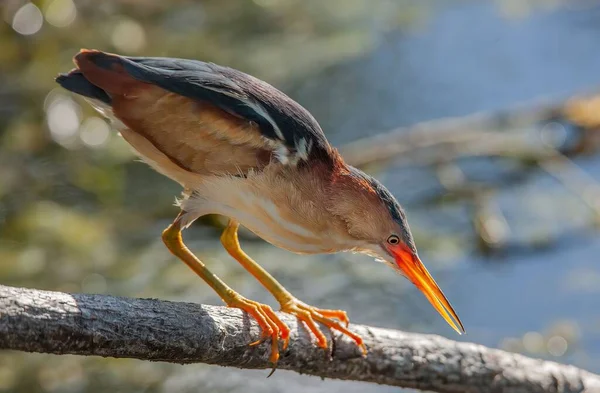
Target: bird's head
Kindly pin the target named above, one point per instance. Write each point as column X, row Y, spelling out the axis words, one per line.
column 378, row 225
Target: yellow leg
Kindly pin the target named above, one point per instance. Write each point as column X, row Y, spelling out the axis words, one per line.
column 307, row 314
column 268, row 321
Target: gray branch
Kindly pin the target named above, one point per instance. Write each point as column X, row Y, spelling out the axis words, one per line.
column 60, row 323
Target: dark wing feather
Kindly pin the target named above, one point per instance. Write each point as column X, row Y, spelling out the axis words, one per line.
column 279, row 117
column 76, row 82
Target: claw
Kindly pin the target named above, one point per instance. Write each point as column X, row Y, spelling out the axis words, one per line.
column 273, row 370
column 270, row 324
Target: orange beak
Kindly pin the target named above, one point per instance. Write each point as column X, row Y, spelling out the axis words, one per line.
column 415, row 271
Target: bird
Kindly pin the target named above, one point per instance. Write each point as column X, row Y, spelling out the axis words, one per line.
column 243, row 149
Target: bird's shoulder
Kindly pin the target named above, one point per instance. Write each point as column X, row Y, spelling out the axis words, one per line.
column 295, row 133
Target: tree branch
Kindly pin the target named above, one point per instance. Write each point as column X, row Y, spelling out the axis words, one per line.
column 60, row 323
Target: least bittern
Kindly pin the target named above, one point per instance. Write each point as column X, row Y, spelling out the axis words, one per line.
column 243, row 149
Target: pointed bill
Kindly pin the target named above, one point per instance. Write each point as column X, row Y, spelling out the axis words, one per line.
column 413, row 268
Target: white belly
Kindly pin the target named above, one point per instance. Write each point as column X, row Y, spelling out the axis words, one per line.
column 238, row 199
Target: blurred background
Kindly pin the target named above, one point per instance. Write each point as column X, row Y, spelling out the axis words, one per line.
column 504, row 204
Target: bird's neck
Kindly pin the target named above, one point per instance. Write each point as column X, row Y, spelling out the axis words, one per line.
column 348, row 198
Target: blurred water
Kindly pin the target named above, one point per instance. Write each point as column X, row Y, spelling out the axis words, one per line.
column 468, row 58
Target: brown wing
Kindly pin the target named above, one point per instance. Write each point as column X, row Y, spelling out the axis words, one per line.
column 205, row 118
column 197, row 136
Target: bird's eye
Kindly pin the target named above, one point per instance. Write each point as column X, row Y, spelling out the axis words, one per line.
column 393, row 240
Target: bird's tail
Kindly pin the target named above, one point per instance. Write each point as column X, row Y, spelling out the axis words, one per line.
column 98, row 75
column 77, row 83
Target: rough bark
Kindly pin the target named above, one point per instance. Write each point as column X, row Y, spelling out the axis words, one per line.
column 52, row 322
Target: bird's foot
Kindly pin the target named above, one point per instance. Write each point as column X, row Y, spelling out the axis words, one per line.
column 333, row 319
column 271, row 326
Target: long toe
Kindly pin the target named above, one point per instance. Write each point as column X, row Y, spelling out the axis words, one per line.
column 333, row 319
column 271, row 326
